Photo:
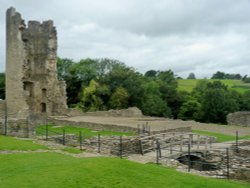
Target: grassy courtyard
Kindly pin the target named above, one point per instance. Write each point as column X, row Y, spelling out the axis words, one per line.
column 86, row 133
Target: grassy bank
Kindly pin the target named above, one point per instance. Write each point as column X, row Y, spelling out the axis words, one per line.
column 220, row 137
column 57, row 170
column 11, row 143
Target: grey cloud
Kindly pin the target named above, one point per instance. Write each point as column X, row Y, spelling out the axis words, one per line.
column 200, row 36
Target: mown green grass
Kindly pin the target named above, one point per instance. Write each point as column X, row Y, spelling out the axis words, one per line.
column 220, row 137
column 57, row 170
column 72, row 150
column 11, row 143
column 237, row 85
column 86, row 133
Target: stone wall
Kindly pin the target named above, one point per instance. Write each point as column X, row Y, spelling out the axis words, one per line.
column 239, row 118
column 110, row 127
column 16, row 127
column 130, row 112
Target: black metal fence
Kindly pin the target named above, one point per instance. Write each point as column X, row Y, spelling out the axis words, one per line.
column 115, row 145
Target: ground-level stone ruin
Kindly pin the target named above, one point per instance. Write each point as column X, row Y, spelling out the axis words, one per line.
column 239, row 118
column 32, row 86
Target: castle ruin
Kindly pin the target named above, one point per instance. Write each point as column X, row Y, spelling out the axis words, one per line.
column 32, row 86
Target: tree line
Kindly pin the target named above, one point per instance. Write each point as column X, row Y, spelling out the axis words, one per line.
column 223, row 76
column 103, row 84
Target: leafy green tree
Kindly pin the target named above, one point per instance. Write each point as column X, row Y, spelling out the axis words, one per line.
column 191, row 76
column 246, row 79
column 190, row 109
column 168, row 88
column 217, row 103
column 90, row 100
column 245, row 105
column 119, row 99
column 200, row 89
column 127, row 78
column 219, row 75
column 151, row 74
column 63, row 67
column 152, row 102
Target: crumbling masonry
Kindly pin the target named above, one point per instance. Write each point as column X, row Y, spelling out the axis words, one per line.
column 32, row 86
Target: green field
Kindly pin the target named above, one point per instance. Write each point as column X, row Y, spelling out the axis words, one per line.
column 220, row 137
column 58, row 170
column 11, row 143
column 237, row 85
column 86, row 133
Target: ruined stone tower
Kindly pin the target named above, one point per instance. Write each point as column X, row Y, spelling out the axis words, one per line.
column 32, row 86
column 31, row 74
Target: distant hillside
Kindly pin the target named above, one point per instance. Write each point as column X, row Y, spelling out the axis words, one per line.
column 237, row 85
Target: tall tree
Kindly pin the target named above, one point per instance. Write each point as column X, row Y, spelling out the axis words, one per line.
column 191, row 76
column 151, row 73
column 152, row 101
column 119, row 99
column 190, row 109
column 63, row 67
column 217, row 103
column 90, row 100
column 168, row 88
column 218, row 75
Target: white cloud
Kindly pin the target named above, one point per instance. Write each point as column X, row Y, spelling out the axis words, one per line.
column 200, row 36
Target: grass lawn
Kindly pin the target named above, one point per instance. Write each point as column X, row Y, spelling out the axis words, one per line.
column 72, row 150
column 220, row 137
column 87, row 133
column 237, row 85
column 57, row 170
column 11, row 143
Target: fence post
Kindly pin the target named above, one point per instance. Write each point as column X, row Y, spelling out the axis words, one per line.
column 63, row 136
column 237, row 142
column 47, row 131
column 227, row 153
column 141, row 147
column 80, row 139
column 157, row 151
column 198, row 141
column 159, row 147
column 189, row 160
column 210, row 142
column 189, row 140
column 99, row 143
column 181, row 144
column 138, row 129
column 5, row 125
column 171, row 145
column 120, row 152
column 206, row 143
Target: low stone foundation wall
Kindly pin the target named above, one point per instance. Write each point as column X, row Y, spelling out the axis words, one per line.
column 239, row 118
column 130, row 112
column 17, row 127
column 110, row 127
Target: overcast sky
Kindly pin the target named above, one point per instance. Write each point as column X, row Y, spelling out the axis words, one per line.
column 199, row 36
